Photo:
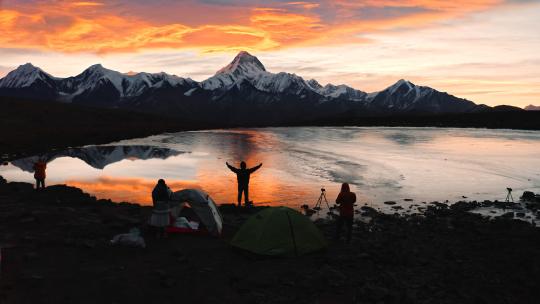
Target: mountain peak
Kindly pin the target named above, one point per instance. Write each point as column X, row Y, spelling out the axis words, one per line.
column 96, row 67
column 399, row 84
column 243, row 63
column 23, row 76
column 27, row 66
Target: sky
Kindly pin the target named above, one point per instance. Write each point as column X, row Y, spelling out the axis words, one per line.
column 487, row 51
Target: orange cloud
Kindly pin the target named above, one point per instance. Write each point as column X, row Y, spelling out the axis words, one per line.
column 89, row 26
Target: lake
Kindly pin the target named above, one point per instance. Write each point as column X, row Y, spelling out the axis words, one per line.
column 381, row 164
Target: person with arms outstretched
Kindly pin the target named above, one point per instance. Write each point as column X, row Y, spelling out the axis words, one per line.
column 242, row 176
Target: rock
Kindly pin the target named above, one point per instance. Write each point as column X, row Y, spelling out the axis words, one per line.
column 17, row 187
column 288, row 283
column 160, row 273
column 389, row 203
column 528, row 196
column 30, row 256
column 27, row 219
column 88, row 244
column 374, row 293
column 167, row 283
column 330, row 274
column 520, row 214
column 397, row 207
column 508, row 215
column 363, row 255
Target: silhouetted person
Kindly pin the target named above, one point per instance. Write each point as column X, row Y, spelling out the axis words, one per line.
column 160, row 214
column 242, row 175
column 39, row 174
column 345, row 200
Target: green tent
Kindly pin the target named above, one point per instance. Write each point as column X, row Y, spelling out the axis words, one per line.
column 279, row 231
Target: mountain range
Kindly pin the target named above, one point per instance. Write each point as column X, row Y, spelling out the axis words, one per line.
column 242, row 92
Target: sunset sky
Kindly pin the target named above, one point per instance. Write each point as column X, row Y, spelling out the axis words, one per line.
column 487, row 51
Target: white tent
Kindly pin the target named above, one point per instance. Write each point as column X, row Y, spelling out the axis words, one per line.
column 203, row 205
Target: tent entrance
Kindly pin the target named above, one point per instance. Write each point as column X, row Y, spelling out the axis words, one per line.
column 202, row 205
column 185, row 220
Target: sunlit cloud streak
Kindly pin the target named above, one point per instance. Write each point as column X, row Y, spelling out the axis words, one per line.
column 99, row 27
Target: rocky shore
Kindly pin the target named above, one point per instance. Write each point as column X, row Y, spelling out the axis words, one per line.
column 56, row 249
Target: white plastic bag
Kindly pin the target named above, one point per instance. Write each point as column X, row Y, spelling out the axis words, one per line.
column 132, row 239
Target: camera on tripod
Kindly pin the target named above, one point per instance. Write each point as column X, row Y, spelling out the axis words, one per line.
column 322, row 198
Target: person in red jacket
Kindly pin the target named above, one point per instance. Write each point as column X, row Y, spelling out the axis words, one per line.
column 345, row 200
column 39, row 173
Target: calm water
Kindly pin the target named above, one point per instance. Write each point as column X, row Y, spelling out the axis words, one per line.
column 381, row 164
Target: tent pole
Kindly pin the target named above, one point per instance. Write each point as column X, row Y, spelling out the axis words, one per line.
column 292, row 234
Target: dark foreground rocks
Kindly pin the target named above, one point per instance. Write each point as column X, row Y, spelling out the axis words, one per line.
column 55, row 249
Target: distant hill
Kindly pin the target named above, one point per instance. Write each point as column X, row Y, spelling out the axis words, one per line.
column 241, row 93
column 532, row 108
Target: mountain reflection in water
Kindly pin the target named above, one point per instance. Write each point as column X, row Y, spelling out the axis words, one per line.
column 381, row 164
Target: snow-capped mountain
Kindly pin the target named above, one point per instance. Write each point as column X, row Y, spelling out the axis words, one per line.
column 247, row 68
column 243, row 92
column 404, row 97
column 28, row 81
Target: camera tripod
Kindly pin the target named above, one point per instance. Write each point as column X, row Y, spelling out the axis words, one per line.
column 320, row 200
column 509, row 197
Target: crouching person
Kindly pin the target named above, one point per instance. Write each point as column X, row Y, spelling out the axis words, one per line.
column 160, row 218
column 345, row 200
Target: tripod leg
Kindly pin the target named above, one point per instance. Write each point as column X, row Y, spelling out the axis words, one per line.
column 326, row 201
column 318, row 203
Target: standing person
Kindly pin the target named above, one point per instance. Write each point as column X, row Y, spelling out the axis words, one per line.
column 39, row 173
column 345, row 200
column 242, row 176
column 160, row 214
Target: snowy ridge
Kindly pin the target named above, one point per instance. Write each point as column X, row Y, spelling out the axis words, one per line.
column 126, row 85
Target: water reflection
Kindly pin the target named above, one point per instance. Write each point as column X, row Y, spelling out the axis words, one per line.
column 381, row 164
column 98, row 156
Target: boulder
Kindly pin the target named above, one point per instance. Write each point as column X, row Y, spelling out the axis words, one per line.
column 528, row 196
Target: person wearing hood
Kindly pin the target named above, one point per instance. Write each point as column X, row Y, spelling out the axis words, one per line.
column 160, row 214
column 39, row 173
column 345, row 200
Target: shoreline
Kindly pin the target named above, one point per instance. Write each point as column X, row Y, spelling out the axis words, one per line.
column 37, row 127
column 56, row 246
